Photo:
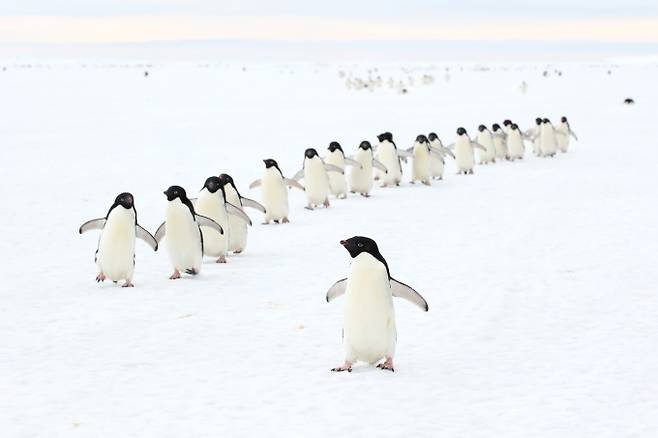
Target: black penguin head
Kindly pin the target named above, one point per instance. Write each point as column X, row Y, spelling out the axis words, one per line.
column 381, row 137
column 546, row 121
column 563, row 119
column 335, row 146
column 213, row 184
column 310, row 153
column 225, row 179
column 174, row 192
column 125, row 200
column 421, row 139
column 495, row 127
column 461, row 131
column 432, row 136
column 538, row 120
column 365, row 145
column 514, row 126
column 389, row 136
column 507, row 122
column 482, row 128
column 359, row 244
column 270, row 163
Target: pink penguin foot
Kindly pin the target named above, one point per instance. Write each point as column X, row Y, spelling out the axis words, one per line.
column 127, row 284
column 347, row 366
column 387, row 364
column 100, row 277
column 175, row 275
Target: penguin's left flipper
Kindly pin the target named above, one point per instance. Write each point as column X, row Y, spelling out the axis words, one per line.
column 478, row 145
column 236, row 211
column 450, row 147
column 147, row 237
column 351, row 162
column 246, row 202
column 379, row 165
column 193, row 201
column 94, row 224
column 255, row 184
column 332, row 168
column 401, row 290
column 405, row 153
column 205, row 221
column 160, row 232
column 299, row 175
column 437, row 151
column 449, row 152
column 292, row 183
column 573, row 134
column 337, row 289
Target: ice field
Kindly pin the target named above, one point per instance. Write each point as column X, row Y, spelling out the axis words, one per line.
column 540, row 275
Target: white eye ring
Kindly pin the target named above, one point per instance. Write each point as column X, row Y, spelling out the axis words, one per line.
column 360, row 245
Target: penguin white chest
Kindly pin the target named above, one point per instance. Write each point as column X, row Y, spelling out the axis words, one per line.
column 436, row 162
column 361, row 177
column 485, row 139
column 337, row 180
column 212, row 205
column 237, row 228
column 547, row 143
column 388, row 156
column 500, row 146
column 563, row 136
column 274, row 195
column 421, row 163
column 116, row 246
column 464, row 153
column 316, row 181
column 183, row 237
column 369, row 327
column 515, row 144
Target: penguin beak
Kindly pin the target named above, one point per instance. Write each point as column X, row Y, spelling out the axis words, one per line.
column 343, row 242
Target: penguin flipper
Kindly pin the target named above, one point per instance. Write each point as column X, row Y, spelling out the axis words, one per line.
column 160, row 232
column 255, row 184
column 351, row 162
column 332, row 168
column 337, row 289
column 205, row 221
column 293, row 183
column 450, row 147
column 94, row 224
column 449, row 152
column 379, row 165
column 246, row 202
column 405, row 153
column 147, row 237
column 437, row 151
column 478, row 145
column 299, row 175
column 236, row 211
column 401, row 290
column 573, row 134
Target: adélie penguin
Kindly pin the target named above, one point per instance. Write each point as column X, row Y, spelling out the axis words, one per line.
column 237, row 226
column 182, row 227
column 485, row 138
column 336, row 157
column 547, row 140
column 563, row 134
column 316, row 181
column 515, row 146
column 437, row 159
column 275, row 192
column 388, row 154
column 369, row 330
column 361, row 177
column 115, row 254
column 465, row 157
column 420, row 164
column 500, row 141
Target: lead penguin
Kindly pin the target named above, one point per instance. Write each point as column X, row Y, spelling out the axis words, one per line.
column 369, row 331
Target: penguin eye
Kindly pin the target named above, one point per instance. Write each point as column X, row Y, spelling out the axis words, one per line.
column 360, row 245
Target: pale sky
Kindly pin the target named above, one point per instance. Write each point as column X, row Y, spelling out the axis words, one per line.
column 108, row 21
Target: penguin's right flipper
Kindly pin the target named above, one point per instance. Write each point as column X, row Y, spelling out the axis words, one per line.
column 141, row 233
column 205, row 221
column 332, row 168
column 246, row 202
column 236, row 211
column 94, row 224
column 405, row 153
column 160, row 232
column 299, row 175
column 293, row 183
column 379, row 165
column 337, row 289
column 478, row 145
column 351, row 162
column 401, row 290
column 437, row 151
column 450, row 147
column 255, row 184
column 573, row 134
column 449, row 152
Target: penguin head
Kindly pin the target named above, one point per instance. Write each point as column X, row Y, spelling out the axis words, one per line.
column 213, row 184
column 335, row 146
column 563, row 119
column 310, row 153
column 538, row 121
column 174, row 192
column 495, row 127
column 270, row 163
column 507, row 122
column 365, row 145
column 482, row 128
column 546, row 121
column 421, row 139
column 381, row 137
column 461, row 131
column 358, row 244
column 125, row 200
column 514, row 126
column 432, row 136
column 225, row 178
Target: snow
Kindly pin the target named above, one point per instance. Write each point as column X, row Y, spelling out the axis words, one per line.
column 540, row 275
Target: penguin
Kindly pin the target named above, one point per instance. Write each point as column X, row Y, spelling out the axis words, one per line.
column 420, row 166
column 361, row 178
column 337, row 157
column 437, row 159
column 115, row 254
column 182, row 227
column 563, row 134
column 274, row 192
column 212, row 203
column 499, row 138
column 389, row 155
column 237, row 226
column 515, row 145
column 464, row 152
column 485, row 138
column 316, row 181
column 547, row 140
column 369, row 330
column 533, row 135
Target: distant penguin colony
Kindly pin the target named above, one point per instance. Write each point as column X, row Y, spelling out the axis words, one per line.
column 215, row 224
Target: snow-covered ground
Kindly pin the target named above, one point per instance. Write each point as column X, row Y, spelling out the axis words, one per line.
column 540, row 275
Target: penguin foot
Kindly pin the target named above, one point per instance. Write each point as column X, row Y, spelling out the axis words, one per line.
column 377, row 178
column 100, row 277
column 276, row 221
column 266, row 223
column 238, row 251
column 285, row 220
column 127, row 284
column 347, row 366
column 192, row 271
column 326, row 203
column 221, row 259
column 365, row 195
column 309, row 207
column 427, row 183
column 387, row 364
column 412, row 182
column 175, row 275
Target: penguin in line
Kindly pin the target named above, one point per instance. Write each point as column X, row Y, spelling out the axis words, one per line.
column 437, row 159
column 237, row 226
column 369, row 330
column 464, row 146
column 337, row 182
column 316, row 181
column 515, row 146
column 182, row 227
column 533, row 135
column 420, row 165
column 115, row 254
column 500, row 143
column 274, row 192
column 361, row 178
column 547, row 140
column 564, row 133
column 485, row 138
column 389, row 155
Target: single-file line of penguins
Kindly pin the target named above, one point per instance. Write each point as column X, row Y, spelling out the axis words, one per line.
column 215, row 223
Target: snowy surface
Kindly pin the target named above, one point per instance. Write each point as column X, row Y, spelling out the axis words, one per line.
column 540, row 275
